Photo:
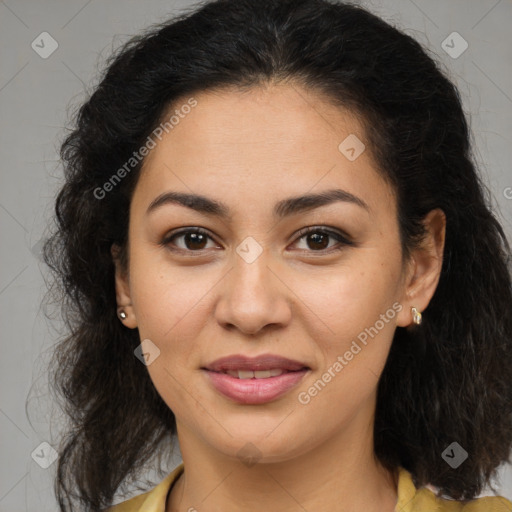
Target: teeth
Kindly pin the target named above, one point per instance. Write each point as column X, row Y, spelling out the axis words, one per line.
column 262, row 374
column 248, row 374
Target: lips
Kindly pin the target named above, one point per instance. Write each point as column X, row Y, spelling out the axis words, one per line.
column 261, row 367
column 257, row 380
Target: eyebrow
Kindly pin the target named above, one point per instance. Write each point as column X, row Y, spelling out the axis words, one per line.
column 284, row 208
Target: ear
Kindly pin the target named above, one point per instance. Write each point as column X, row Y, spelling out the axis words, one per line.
column 123, row 296
column 424, row 268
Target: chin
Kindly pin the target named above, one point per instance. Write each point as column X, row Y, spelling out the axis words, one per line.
column 254, row 447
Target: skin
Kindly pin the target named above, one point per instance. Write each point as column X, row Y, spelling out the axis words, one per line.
column 300, row 299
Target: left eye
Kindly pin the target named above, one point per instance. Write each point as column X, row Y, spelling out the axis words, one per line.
column 316, row 238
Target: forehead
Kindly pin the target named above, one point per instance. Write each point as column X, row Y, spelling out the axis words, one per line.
column 279, row 140
column 274, row 116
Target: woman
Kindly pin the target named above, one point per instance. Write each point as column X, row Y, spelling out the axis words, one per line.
column 273, row 243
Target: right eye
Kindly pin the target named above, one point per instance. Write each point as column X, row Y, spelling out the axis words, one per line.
column 193, row 240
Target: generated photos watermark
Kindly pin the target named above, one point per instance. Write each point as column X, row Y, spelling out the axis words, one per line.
column 305, row 397
column 138, row 156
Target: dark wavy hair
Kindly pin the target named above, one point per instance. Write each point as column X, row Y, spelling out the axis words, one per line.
column 449, row 380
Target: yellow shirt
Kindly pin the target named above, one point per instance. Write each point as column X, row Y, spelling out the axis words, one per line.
column 410, row 499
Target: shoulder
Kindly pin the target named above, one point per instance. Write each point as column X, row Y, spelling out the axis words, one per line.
column 132, row 505
column 153, row 500
column 424, row 499
column 489, row 504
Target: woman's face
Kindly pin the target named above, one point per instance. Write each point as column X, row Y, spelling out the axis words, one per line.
column 254, row 284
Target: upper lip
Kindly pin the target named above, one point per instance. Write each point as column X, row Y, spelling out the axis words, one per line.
column 262, row 362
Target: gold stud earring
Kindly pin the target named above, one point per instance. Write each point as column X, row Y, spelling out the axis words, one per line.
column 121, row 314
column 416, row 316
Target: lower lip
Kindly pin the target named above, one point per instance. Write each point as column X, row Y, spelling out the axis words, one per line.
column 255, row 391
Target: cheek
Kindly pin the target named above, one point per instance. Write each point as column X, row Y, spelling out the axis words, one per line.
column 355, row 322
column 167, row 299
column 350, row 298
column 170, row 310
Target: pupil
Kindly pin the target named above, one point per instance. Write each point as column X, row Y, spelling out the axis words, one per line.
column 315, row 237
column 194, row 238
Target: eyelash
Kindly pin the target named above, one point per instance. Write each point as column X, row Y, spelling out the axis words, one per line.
column 342, row 239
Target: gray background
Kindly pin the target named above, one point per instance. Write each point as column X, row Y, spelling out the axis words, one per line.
column 36, row 96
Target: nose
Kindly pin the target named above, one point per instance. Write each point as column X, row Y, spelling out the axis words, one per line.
column 254, row 297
